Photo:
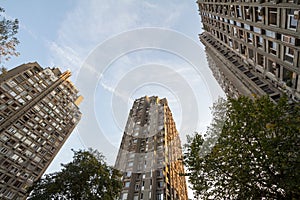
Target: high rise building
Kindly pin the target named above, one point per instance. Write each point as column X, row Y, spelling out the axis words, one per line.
column 38, row 111
column 253, row 46
column 150, row 153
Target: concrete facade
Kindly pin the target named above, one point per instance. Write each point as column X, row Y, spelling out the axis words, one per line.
column 253, row 46
column 150, row 153
column 38, row 111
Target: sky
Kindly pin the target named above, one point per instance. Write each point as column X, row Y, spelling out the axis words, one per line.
column 118, row 51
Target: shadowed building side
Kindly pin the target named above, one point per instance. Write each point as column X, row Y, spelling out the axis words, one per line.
column 253, row 46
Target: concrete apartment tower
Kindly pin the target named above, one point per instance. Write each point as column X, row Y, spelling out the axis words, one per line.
column 38, row 111
column 150, row 153
column 253, row 46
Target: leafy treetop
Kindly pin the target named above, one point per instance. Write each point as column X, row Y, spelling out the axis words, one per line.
column 86, row 177
column 256, row 155
column 8, row 41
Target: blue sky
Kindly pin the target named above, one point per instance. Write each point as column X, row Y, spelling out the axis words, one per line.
column 81, row 35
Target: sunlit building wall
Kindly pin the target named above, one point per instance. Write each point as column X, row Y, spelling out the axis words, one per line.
column 150, row 154
column 38, row 111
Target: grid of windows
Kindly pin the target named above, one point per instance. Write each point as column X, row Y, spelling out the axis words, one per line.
column 149, row 159
column 37, row 115
column 261, row 32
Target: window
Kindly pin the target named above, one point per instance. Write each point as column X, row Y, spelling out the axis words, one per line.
column 270, row 34
column 19, row 89
column 272, row 16
column 128, row 174
column 17, row 184
column 234, row 31
column 11, row 130
column 288, row 77
column 247, row 27
column 19, row 79
column 14, row 157
column 30, row 81
column 243, row 49
column 127, row 184
column 250, row 38
column 259, row 41
column 230, row 42
column 28, row 97
column 288, row 39
column 5, row 87
column 259, row 12
column 232, row 10
column 2, row 106
column 3, row 138
column 21, row 101
column 13, row 169
column 236, row 46
column 12, row 93
column 18, row 135
column 251, row 55
column 260, row 59
column 160, row 196
column 137, row 186
column 12, row 83
column 289, row 54
column 160, row 184
column 291, row 21
column 241, row 34
column 272, row 67
column 272, row 47
column 124, row 196
column 247, row 13
column 3, row 150
column 9, row 195
column 238, row 11
column 257, row 30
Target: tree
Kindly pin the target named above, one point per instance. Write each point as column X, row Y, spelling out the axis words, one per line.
column 8, row 41
column 256, row 155
column 86, row 177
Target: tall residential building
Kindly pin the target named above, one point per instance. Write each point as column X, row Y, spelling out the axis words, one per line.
column 253, row 46
column 38, row 111
column 150, row 153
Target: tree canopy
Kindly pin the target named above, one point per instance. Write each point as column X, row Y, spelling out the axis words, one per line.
column 86, row 177
column 255, row 156
column 8, row 41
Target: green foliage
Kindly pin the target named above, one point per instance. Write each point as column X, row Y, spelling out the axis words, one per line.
column 8, row 41
column 256, row 155
column 86, row 177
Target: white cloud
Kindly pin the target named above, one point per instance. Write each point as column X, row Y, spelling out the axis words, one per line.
column 92, row 22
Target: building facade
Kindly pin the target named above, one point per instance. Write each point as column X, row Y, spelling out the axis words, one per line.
column 38, row 111
column 150, row 153
column 253, row 46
